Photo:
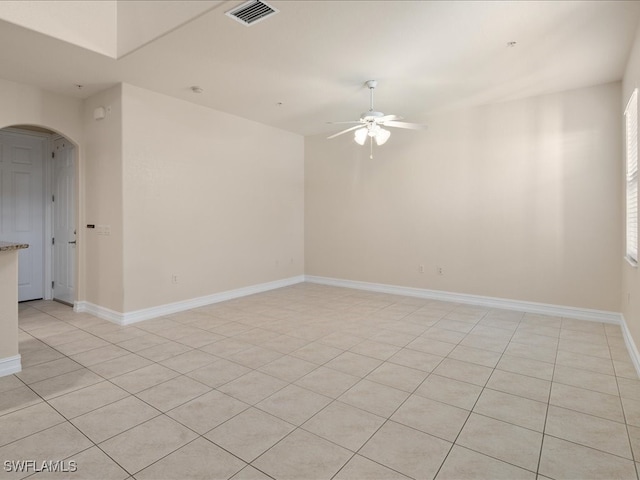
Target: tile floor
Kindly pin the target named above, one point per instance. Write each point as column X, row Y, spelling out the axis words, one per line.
column 317, row 382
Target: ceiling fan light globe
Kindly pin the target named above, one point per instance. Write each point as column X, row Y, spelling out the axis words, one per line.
column 360, row 136
column 382, row 136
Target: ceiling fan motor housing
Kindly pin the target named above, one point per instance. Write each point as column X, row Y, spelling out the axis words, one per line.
column 370, row 116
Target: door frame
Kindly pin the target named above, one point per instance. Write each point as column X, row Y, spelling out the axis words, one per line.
column 48, row 139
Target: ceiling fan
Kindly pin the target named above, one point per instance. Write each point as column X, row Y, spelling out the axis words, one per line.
column 371, row 123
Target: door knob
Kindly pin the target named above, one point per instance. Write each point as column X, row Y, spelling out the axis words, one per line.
column 74, row 242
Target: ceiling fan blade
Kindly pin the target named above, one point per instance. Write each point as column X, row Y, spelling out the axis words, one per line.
column 352, row 122
column 411, row 126
column 345, row 131
column 388, row 118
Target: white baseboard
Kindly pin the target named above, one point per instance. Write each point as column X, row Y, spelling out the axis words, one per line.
column 10, row 365
column 631, row 345
column 128, row 318
column 491, row 302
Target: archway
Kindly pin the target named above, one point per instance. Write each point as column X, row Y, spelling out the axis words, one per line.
column 39, row 181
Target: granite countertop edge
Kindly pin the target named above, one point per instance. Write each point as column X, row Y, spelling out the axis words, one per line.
column 7, row 246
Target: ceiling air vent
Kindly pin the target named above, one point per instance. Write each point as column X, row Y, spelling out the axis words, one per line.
column 252, row 12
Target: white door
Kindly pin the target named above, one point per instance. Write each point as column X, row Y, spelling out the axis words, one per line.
column 22, row 206
column 64, row 226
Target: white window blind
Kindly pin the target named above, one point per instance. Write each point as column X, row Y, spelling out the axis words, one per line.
column 631, row 127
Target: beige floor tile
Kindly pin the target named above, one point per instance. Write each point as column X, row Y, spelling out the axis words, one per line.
column 189, row 462
column 504, row 441
column 631, row 411
column 200, row 339
column 457, row 328
column 405, row 450
column 393, row 338
column 354, row 364
column 27, row 421
column 587, row 430
column 10, row 382
column 341, row 341
column 626, row 369
column 164, row 351
column 585, row 337
column 486, row 358
column 288, row 368
column 348, row 426
column 328, row 382
column 397, row 376
column 317, row 353
column 120, row 365
column 227, row 347
column 285, row 344
column 634, row 439
column 484, row 342
column 68, row 382
column 534, row 339
column 146, row 377
column 207, row 411
column 566, row 460
column 250, row 433
column 595, row 350
column 294, row 404
column 363, row 468
column 47, row 370
column 582, row 326
column 55, row 443
column 255, row 357
column 512, row 408
column 629, row 388
column 465, row 464
column 303, row 455
column 87, row 399
column 17, row 398
column 463, row 371
column 374, row 398
column 218, row 373
column 431, row 346
column 543, row 354
column 587, row 380
column 114, row 418
column 587, row 401
column 147, row 443
column 173, row 393
column 521, row 385
column 585, row 362
column 142, row 342
column 99, row 355
column 450, row 391
column 415, row 359
column 432, row 417
column 90, row 464
column 189, row 361
column 250, row 473
column 378, row 350
column 547, row 330
column 526, row 366
column 38, row 356
column 253, row 387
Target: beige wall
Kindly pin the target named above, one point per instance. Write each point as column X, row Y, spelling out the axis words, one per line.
column 630, row 301
column 518, row 200
column 212, row 198
column 103, row 204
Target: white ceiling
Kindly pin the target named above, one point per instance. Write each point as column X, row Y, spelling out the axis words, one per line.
column 314, row 56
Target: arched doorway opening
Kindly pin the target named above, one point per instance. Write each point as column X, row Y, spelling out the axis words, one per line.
column 39, row 207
